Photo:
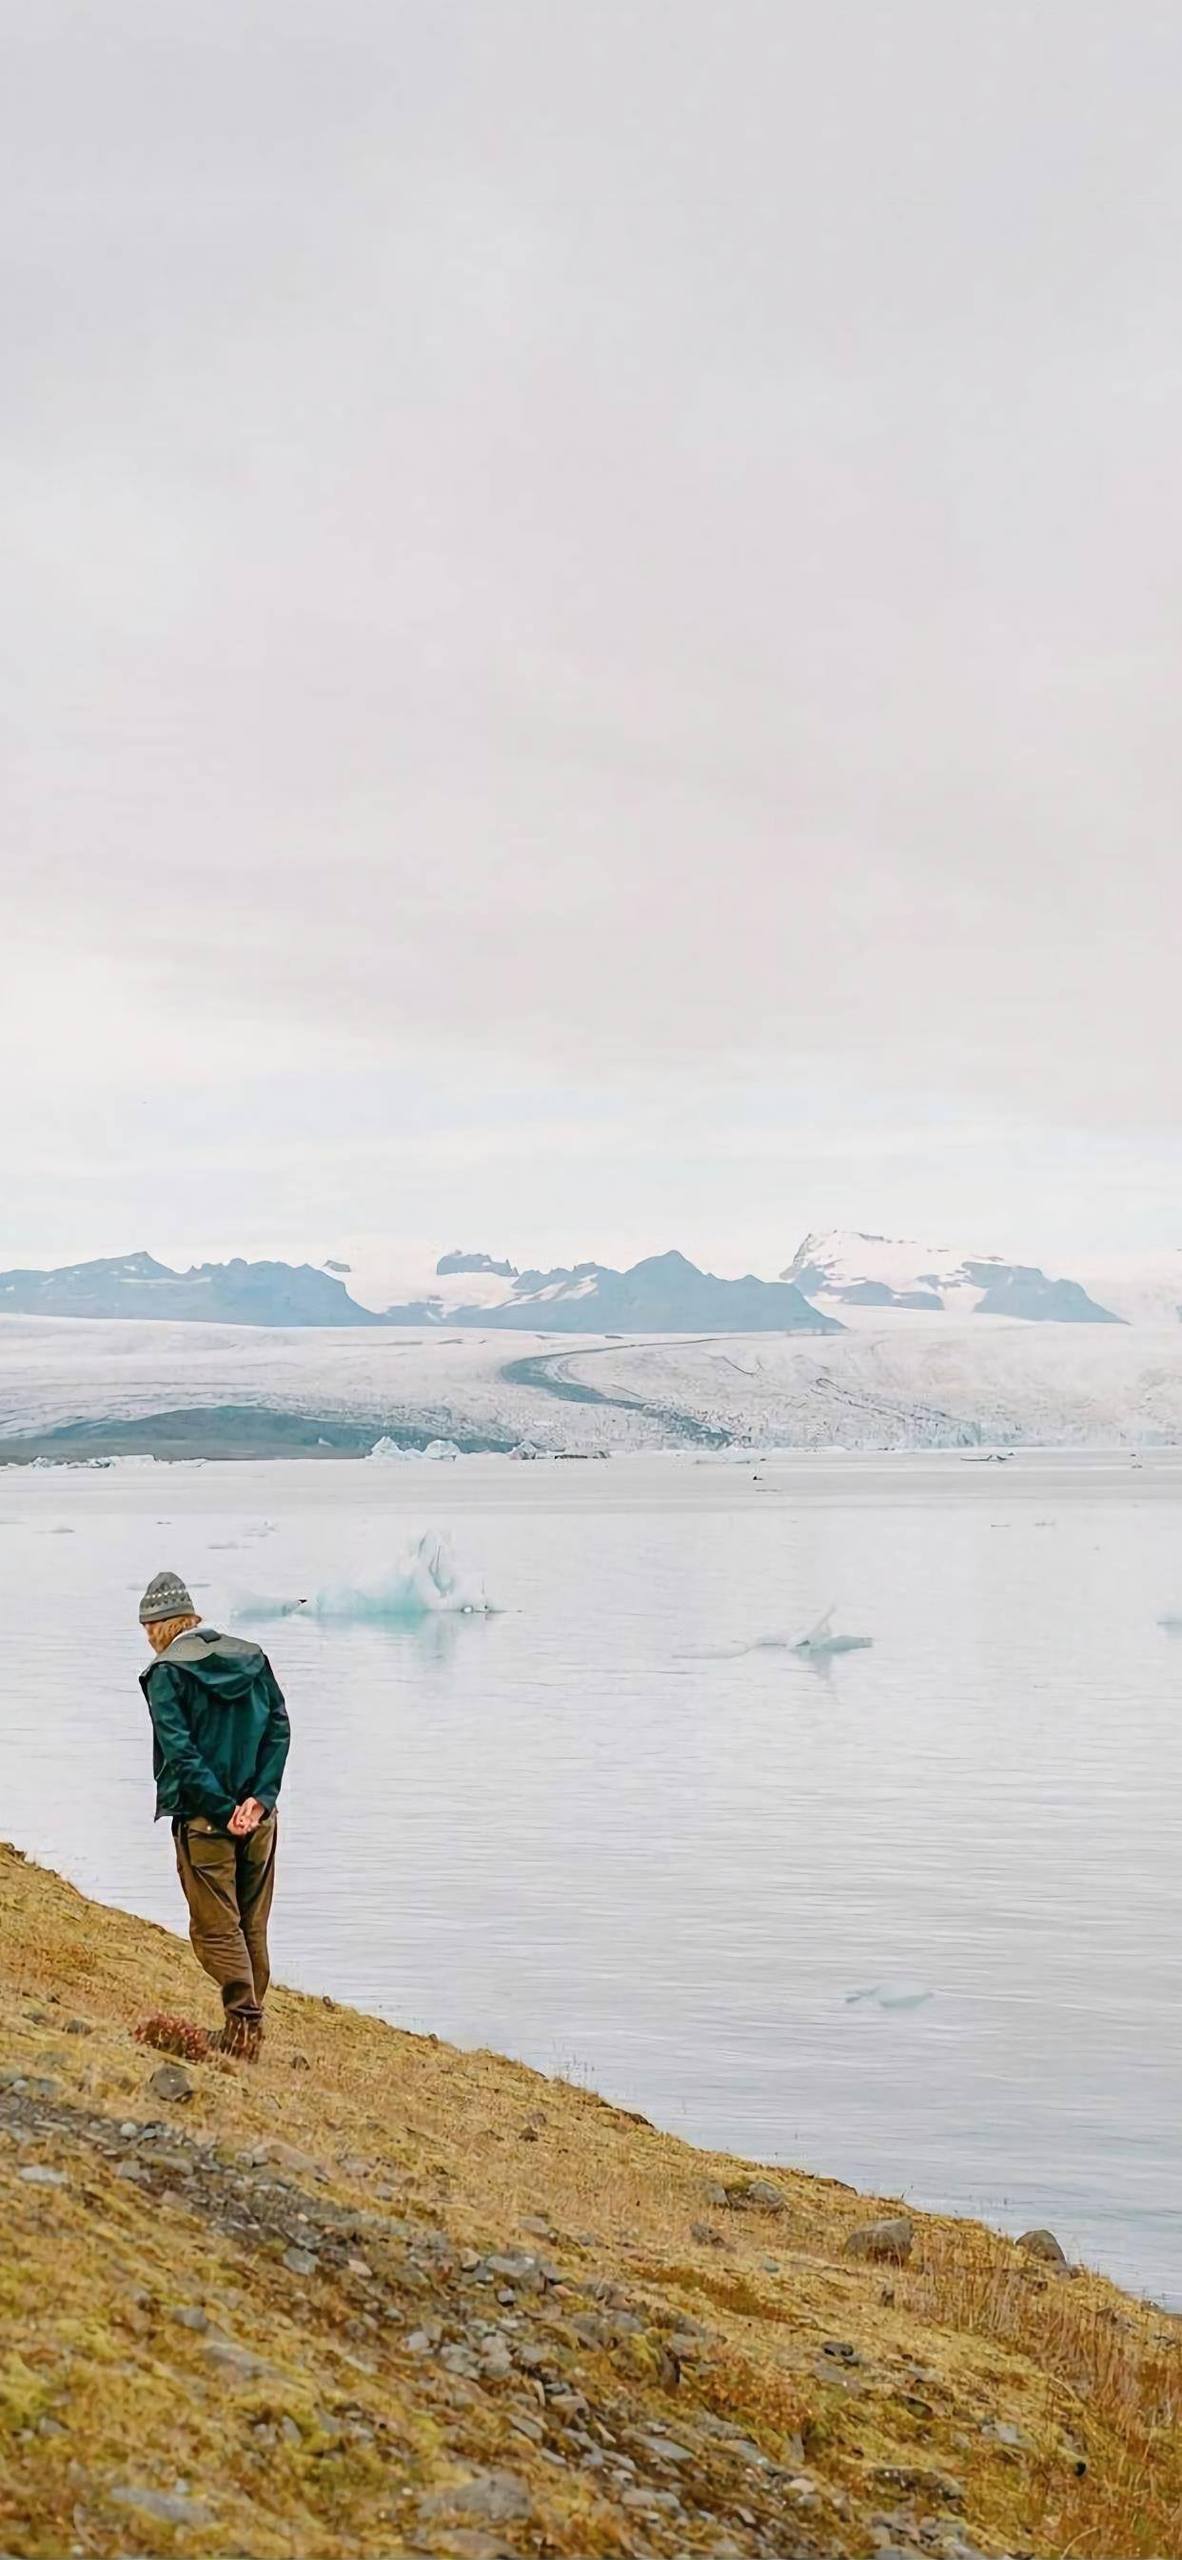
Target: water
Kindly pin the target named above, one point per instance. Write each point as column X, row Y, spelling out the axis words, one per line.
column 594, row 1832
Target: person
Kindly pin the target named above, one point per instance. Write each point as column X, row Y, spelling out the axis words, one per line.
column 220, row 1739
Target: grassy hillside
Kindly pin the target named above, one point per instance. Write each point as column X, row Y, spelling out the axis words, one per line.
column 377, row 2296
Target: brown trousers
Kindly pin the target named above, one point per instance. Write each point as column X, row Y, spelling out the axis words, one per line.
column 228, row 1885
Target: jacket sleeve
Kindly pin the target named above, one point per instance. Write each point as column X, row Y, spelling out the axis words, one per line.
column 274, row 1747
column 199, row 1786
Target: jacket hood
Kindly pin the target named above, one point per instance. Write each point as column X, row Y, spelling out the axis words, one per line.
column 226, row 1665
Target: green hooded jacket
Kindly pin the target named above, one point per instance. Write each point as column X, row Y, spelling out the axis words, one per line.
column 219, row 1726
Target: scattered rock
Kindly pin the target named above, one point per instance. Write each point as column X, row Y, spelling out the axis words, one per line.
column 499, row 2496
column 39, row 2177
column 172, row 2083
column 1043, row 2244
column 890, row 2239
column 755, row 2195
column 705, row 2233
column 166, row 2506
column 300, row 2262
column 235, row 2360
column 912, row 2482
column 189, row 2315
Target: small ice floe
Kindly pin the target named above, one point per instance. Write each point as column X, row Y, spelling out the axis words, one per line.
column 425, row 1585
column 1171, row 1623
column 823, row 1641
column 890, row 1995
column 442, row 1449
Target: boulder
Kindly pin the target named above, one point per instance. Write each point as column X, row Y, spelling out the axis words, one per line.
column 889, row 2240
column 755, row 2195
column 1043, row 2244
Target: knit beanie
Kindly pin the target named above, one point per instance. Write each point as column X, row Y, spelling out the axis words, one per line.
column 165, row 1597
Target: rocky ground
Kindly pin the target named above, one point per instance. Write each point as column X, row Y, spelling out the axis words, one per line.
column 375, row 2296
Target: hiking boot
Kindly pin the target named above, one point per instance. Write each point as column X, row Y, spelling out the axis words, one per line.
column 241, row 2038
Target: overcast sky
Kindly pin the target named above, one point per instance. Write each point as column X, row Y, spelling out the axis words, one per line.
column 592, row 614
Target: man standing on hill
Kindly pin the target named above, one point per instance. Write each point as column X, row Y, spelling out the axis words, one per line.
column 220, row 1742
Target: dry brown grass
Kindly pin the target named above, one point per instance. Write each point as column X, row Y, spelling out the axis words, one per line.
column 970, row 2336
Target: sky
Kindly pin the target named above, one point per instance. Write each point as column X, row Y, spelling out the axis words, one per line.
column 592, row 624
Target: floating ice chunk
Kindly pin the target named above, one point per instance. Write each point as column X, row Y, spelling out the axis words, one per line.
column 822, row 1642
column 426, row 1584
column 528, row 1449
column 442, row 1449
column 890, row 1995
column 385, row 1450
column 1172, row 1622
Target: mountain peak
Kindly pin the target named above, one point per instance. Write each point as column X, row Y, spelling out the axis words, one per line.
column 855, row 1269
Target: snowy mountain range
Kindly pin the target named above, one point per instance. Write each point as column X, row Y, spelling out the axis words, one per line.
column 134, row 1284
column 835, row 1281
column 664, row 1294
column 842, row 1271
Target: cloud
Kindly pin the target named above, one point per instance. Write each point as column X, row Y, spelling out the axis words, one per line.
column 545, row 549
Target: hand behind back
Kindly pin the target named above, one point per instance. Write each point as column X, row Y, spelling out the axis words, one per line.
column 246, row 1818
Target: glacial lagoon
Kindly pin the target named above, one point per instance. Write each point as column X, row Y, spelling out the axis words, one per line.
column 910, row 1915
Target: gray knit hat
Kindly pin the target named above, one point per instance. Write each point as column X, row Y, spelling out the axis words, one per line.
column 165, row 1597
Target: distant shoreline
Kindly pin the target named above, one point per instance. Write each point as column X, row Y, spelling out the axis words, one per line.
column 229, row 1431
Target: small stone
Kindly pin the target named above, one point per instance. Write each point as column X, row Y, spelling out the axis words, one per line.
column 78, row 2027
column 189, row 2315
column 499, row 2496
column 841, row 2351
column 891, row 2239
column 418, row 2343
column 285, row 2156
column 171, row 2082
column 1043, row 2244
column 165, row 2505
column 300, row 2262
column 39, row 2177
column 235, row 2360
column 707, row 2236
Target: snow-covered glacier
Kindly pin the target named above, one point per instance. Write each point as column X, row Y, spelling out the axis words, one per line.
column 83, row 1389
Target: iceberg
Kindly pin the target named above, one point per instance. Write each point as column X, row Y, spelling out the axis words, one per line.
column 821, row 1643
column 425, row 1585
